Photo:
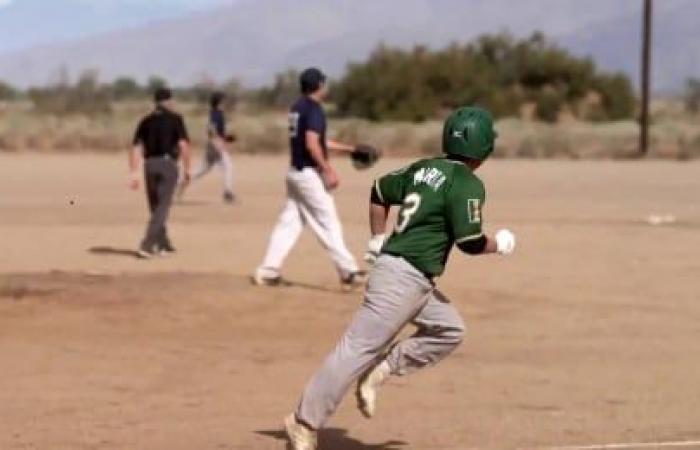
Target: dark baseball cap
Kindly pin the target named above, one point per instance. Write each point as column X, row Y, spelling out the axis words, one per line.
column 311, row 80
column 216, row 98
column 162, row 94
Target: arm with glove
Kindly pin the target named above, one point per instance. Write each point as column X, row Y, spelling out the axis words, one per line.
column 363, row 156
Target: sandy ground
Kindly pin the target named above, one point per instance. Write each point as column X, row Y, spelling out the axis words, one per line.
column 590, row 334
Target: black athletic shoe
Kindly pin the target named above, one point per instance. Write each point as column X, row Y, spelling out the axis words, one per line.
column 229, row 197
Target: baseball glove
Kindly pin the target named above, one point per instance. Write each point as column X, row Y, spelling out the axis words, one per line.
column 231, row 138
column 365, row 156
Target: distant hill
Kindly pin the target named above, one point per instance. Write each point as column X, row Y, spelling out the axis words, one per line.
column 252, row 40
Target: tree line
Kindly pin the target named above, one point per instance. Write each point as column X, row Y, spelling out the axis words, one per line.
column 499, row 72
column 512, row 77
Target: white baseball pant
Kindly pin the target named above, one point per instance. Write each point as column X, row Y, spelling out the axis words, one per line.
column 308, row 202
column 213, row 157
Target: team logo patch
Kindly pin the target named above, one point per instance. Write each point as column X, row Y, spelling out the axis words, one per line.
column 474, row 210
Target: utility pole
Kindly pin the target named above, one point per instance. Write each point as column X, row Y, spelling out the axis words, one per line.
column 646, row 76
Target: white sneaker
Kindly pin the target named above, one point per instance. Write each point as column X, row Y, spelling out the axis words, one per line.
column 301, row 437
column 368, row 387
column 144, row 254
column 259, row 280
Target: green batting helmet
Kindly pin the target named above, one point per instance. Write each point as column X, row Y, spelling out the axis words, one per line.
column 469, row 132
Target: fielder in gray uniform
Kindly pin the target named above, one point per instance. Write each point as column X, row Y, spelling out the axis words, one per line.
column 217, row 151
column 440, row 201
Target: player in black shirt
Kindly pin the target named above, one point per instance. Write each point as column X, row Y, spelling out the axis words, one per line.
column 160, row 140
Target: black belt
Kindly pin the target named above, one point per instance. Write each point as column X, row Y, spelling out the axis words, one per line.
column 163, row 156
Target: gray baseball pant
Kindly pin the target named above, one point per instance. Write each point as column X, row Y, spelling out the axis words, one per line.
column 161, row 179
column 396, row 294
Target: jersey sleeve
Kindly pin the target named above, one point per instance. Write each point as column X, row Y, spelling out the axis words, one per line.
column 140, row 133
column 316, row 120
column 391, row 188
column 217, row 123
column 181, row 130
column 465, row 202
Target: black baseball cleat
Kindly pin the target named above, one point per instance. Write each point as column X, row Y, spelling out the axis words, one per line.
column 353, row 281
column 229, row 197
column 167, row 250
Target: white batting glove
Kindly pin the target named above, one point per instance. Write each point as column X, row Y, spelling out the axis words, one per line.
column 374, row 248
column 505, row 242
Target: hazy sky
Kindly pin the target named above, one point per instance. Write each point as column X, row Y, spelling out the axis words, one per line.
column 25, row 23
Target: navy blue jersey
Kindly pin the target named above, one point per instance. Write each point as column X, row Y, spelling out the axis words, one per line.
column 217, row 123
column 305, row 115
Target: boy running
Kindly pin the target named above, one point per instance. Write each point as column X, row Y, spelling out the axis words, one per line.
column 441, row 201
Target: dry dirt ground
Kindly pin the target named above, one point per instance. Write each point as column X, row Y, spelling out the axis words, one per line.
column 590, row 334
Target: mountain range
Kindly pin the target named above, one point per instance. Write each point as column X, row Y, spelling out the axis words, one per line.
column 254, row 39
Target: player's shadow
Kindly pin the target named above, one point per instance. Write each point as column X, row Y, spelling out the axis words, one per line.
column 337, row 439
column 309, row 286
column 191, row 202
column 112, row 251
column 285, row 283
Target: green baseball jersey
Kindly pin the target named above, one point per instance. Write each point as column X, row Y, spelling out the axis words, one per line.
column 441, row 202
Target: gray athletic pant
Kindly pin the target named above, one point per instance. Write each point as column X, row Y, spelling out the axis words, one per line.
column 396, row 294
column 161, row 179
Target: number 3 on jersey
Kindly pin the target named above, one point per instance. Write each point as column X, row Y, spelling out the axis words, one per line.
column 410, row 205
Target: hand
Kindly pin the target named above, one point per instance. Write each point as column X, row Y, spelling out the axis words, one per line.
column 134, row 182
column 330, row 178
column 374, row 248
column 505, row 242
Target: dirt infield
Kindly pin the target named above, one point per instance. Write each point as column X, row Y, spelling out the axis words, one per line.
column 590, row 334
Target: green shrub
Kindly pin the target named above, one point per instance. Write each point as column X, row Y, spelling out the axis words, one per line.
column 692, row 95
column 7, row 92
column 496, row 71
column 87, row 96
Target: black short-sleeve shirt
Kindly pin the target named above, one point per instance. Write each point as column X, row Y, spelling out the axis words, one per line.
column 305, row 115
column 160, row 132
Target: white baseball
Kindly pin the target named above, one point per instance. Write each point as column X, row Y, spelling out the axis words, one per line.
column 505, row 242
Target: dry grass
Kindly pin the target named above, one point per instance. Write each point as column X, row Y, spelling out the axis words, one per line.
column 674, row 135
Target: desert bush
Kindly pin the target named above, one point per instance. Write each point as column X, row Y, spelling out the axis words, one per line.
column 549, row 105
column 87, row 96
column 496, row 71
column 284, row 90
column 617, row 95
column 125, row 88
column 7, row 92
column 692, row 95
